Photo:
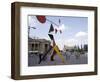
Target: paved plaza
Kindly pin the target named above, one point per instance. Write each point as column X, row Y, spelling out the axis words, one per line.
column 69, row 58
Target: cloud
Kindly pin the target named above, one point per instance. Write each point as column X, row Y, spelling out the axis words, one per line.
column 80, row 34
column 81, row 37
column 71, row 42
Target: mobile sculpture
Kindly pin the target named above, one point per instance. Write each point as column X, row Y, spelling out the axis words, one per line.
column 53, row 47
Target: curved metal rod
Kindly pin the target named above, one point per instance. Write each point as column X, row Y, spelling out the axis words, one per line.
column 52, row 22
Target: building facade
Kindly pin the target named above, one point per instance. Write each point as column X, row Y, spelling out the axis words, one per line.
column 37, row 46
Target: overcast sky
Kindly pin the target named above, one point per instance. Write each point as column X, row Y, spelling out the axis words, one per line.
column 74, row 29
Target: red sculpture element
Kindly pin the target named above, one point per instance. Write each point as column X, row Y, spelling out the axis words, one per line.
column 41, row 19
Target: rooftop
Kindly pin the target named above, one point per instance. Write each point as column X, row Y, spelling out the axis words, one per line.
column 37, row 40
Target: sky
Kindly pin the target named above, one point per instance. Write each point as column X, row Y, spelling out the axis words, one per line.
column 74, row 29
